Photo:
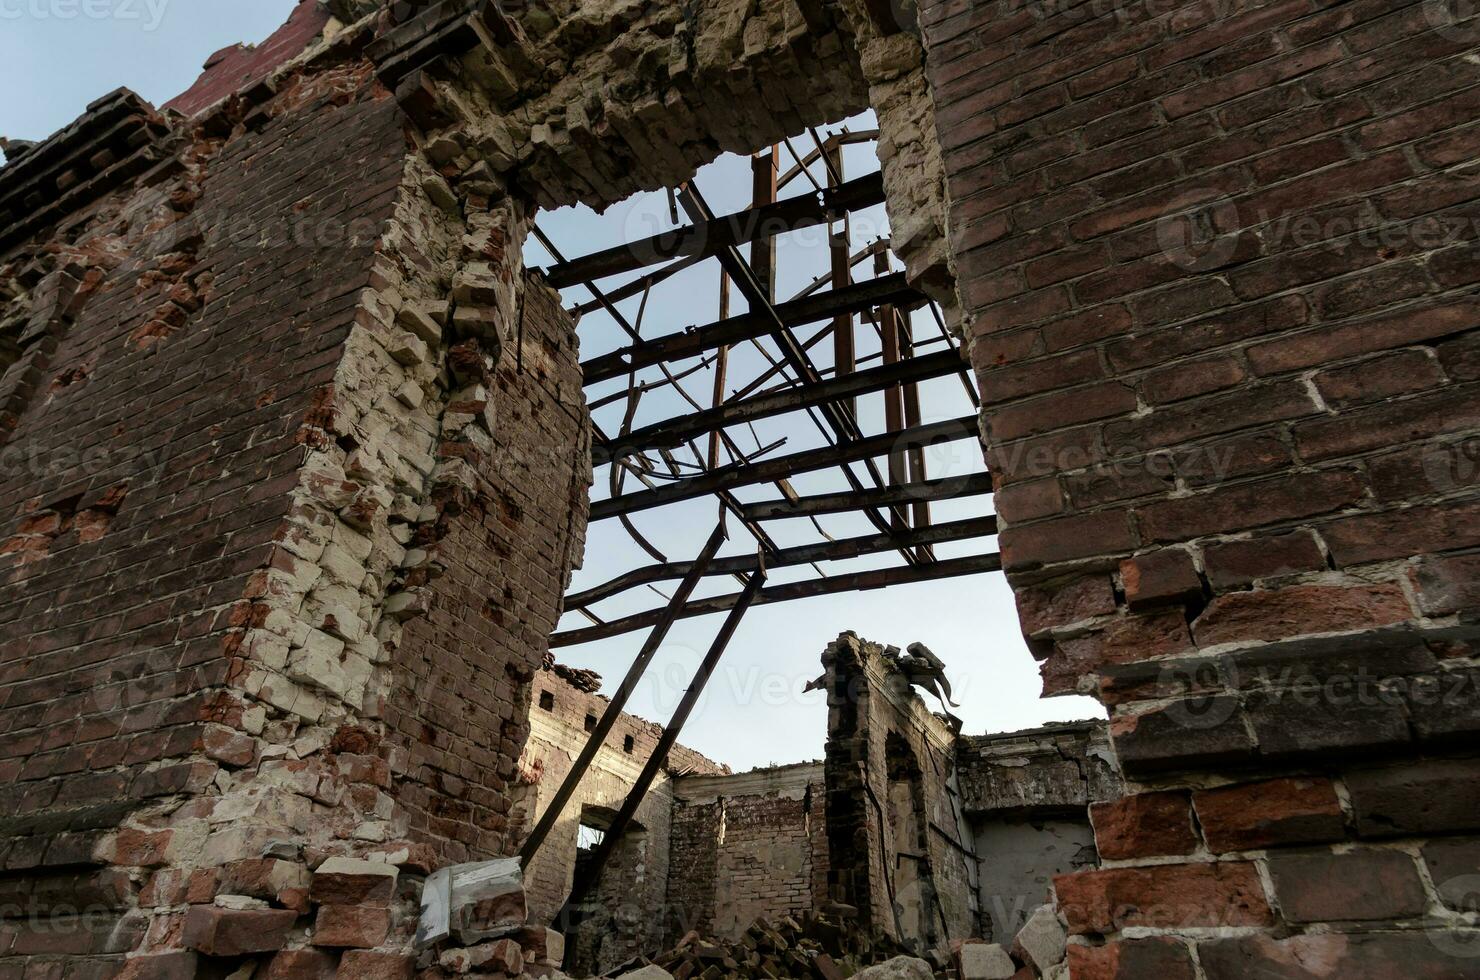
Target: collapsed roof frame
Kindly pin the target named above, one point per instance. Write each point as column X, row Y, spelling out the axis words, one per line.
column 896, row 501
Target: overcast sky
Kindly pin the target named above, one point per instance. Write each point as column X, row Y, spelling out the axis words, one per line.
column 56, row 56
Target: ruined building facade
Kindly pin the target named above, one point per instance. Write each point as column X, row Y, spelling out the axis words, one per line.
column 297, row 454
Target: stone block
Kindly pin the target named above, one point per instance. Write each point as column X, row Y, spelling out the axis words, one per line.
column 985, row 961
column 236, row 932
column 351, row 926
column 345, row 881
column 1041, row 939
column 1362, row 885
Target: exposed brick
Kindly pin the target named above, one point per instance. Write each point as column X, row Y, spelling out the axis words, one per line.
column 1420, row 798
column 1121, row 641
column 1238, row 563
column 1045, row 607
column 1355, row 885
column 1274, row 614
column 1453, row 866
column 1130, row 959
column 1272, row 501
column 1167, row 896
column 1144, row 825
column 1412, row 954
column 1392, row 534
column 359, row 964
column 1189, row 733
column 234, row 932
column 1381, row 377
column 1277, row 812
column 355, row 926
column 1062, row 539
column 301, row 964
column 1159, row 577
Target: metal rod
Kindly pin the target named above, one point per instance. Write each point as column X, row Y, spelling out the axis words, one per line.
column 782, row 466
column 711, row 235
column 673, row 432
column 868, row 544
column 619, row 699
column 747, row 326
column 592, row 873
column 878, row 578
column 838, row 503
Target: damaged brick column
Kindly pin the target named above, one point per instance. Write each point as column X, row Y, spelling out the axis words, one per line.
column 1217, row 265
column 302, row 456
column 898, row 846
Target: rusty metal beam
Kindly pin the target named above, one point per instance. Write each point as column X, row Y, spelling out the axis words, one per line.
column 592, row 874
column 691, row 576
column 714, row 234
column 768, row 470
column 948, row 488
column 878, row 578
column 869, row 544
column 694, row 341
column 675, row 431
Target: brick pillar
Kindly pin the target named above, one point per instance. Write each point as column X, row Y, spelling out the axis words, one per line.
column 1217, row 262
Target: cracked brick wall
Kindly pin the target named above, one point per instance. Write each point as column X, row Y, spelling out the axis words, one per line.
column 898, row 846
column 1217, row 264
column 746, row 846
column 634, row 888
column 151, row 464
column 1026, row 796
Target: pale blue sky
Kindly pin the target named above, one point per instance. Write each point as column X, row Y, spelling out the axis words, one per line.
column 753, row 714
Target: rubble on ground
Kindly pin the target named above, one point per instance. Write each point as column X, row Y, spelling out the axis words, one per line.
column 825, row 945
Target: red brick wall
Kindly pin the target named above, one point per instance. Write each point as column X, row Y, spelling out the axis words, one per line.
column 149, row 477
column 746, row 846
column 149, row 474
column 1217, row 260
column 462, row 696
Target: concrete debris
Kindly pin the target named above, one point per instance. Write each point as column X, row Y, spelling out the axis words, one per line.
column 1042, row 940
column 822, row 946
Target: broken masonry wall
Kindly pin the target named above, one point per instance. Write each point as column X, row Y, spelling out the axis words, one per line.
column 317, row 332
column 1027, row 798
column 153, row 453
column 634, row 885
column 899, row 848
column 745, row 846
column 1234, row 485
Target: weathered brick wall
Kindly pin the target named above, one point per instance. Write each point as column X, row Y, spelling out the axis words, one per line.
column 747, row 846
column 635, row 882
column 1216, row 261
column 898, row 844
column 462, row 698
column 1026, row 796
column 150, row 471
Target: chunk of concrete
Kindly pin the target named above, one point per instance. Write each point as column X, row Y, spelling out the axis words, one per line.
column 986, row 961
column 899, row 968
column 1042, row 939
column 651, row 973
